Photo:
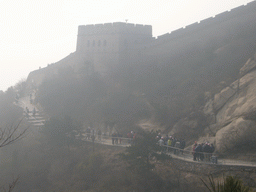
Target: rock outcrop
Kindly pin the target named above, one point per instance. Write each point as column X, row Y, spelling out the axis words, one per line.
column 249, row 66
column 231, row 113
column 231, row 106
column 239, row 132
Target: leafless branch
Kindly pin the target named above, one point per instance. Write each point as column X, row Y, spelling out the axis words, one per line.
column 7, row 135
column 11, row 185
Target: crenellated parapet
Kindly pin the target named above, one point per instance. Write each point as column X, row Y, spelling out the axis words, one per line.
column 239, row 15
column 108, row 45
column 112, row 28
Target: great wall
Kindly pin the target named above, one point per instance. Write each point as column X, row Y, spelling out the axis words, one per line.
column 108, row 47
column 102, row 47
column 109, row 44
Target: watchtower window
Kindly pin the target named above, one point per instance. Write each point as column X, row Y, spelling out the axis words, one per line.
column 93, row 43
column 99, row 43
column 88, row 43
column 105, row 43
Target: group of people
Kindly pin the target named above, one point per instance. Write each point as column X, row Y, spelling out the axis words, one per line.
column 115, row 137
column 172, row 143
column 202, row 151
column 27, row 112
column 90, row 133
column 131, row 137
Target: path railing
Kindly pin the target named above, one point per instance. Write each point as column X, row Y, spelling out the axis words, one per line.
column 203, row 157
column 106, row 140
column 177, row 153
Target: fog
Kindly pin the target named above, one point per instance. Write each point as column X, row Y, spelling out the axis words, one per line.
column 126, row 110
column 35, row 34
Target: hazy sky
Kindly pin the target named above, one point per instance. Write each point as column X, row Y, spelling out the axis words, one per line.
column 35, row 33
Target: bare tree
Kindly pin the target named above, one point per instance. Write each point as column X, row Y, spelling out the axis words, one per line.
column 9, row 135
column 11, row 186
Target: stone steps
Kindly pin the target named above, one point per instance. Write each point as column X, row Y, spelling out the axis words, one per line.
column 36, row 120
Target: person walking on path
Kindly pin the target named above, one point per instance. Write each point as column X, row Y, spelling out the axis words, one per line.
column 34, row 112
column 177, row 148
column 130, row 135
column 199, row 154
column 120, row 138
column 182, row 145
column 113, row 138
column 169, row 144
column 99, row 135
column 194, row 151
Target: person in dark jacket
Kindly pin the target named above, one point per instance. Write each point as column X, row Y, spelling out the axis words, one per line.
column 198, row 151
column 207, row 150
column 182, row 145
column 212, row 149
column 194, row 151
column 99, row 134
column 113, row 138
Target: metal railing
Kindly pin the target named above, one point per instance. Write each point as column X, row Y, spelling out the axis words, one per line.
column 106, row 140
column 177, row 153
column 203, row 157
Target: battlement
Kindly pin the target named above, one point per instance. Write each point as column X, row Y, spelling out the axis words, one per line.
column 110, row 44
column 242, row 13
column 116, row 27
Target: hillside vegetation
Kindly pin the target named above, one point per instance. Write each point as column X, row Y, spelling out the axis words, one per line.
column 162, row 93
column 168, row 95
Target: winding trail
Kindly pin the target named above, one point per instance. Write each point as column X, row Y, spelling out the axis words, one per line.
column 38, row 120
column 186, row 156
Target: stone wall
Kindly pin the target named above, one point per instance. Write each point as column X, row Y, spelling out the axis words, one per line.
column 111, row 44
column 240, row 14
column 107, row 45
column 116, row 27
column 216, row 31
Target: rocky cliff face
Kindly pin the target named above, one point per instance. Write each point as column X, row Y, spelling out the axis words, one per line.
column 234, row 108
column 230, row 114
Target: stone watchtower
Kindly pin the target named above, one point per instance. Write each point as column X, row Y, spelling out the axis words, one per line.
column 99, row 48
column 104, row 46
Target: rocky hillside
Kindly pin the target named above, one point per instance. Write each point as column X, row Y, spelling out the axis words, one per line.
column 187, row 95
column 229, row 117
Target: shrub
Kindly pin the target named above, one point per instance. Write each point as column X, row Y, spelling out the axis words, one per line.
column 228, row 184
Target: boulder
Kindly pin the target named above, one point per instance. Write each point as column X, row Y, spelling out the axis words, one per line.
column 230, row 106
column 208, row 108
column 221, row 98
column 249, row 66
column 183, row 125
column 209, row 111
column 243, row 101
column 212, row 129
column 237, row 134
column 189, row 128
